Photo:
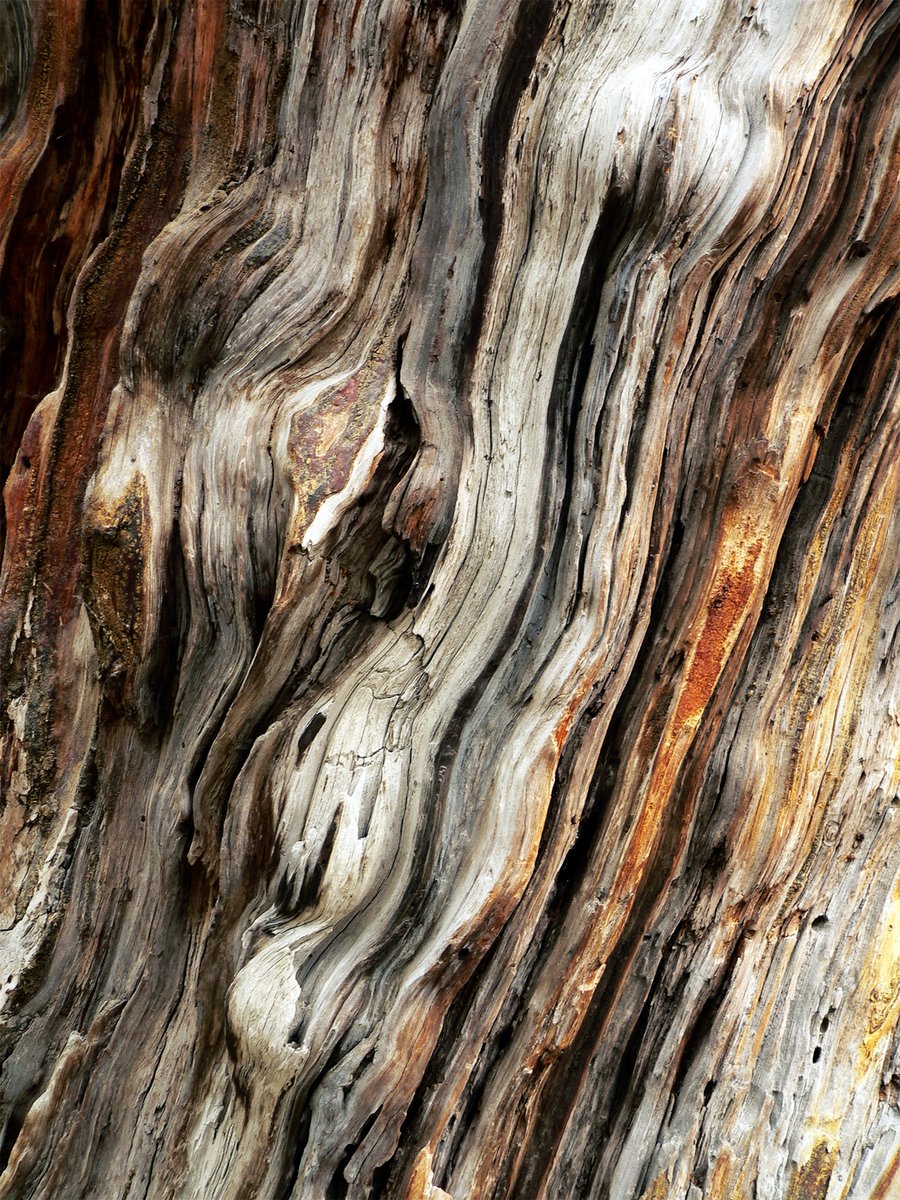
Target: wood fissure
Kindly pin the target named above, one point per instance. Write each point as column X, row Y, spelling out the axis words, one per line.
column 450, row 594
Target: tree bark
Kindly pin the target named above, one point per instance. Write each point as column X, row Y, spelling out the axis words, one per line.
column 450, row 599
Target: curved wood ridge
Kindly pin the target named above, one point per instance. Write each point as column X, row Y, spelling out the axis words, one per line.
column 450, row 599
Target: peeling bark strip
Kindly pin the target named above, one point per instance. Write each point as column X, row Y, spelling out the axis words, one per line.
column 450, row 600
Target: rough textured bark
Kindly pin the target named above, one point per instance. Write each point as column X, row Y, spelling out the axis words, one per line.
column 451, row 596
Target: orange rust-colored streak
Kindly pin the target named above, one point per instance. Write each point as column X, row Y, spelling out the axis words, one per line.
column 724, row 615
column 720, row 1184
column 885, row 1188
column 733, row 591
column 811, row 1180
column 420, row 1180
column 561, row 732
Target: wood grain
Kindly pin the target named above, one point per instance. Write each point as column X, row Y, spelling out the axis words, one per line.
column 450, row 693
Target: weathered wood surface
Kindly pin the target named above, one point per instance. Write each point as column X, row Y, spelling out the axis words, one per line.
column 451, row 595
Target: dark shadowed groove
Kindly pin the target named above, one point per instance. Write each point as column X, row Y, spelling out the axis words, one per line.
column 569, row 1075
column 570, row 381
column 855, row 412
column 577, row 862
column 532, row 23
column 46, row 252
column 626, row 1080
column 16, row 58
column 150, row 193
column 810, row 505
column 699, row 1029
column 572, row 371
column 573, row 367
column 621, row 1035
column 299, row 1122
column 566, row 1076
column 361, row 538
column 791, row 282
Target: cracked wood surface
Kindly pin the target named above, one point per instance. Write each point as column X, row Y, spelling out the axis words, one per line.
column 450, row 623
